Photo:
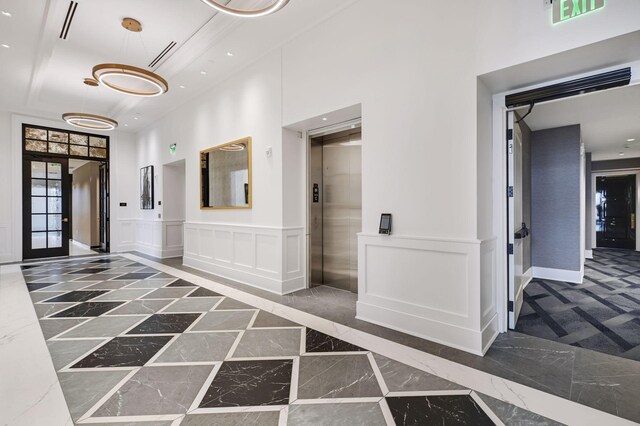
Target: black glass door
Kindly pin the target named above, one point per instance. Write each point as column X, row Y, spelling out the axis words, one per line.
column 615, row 211
column 45, row 207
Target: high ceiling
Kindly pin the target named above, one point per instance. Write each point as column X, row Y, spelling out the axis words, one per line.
column 608, row 120
column 42, row 73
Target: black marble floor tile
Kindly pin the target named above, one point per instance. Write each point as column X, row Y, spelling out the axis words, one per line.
column 23, row 267
column 437, row 410
column 249, row 384
column 165, row 323
column 204, row 292
column 181, row 283
column 124, row 352
column 88, row 271
column 88, row 309
column 107, row 260
column 136, row 276
column 38, row 286
column 320, row 342
column 76, row 296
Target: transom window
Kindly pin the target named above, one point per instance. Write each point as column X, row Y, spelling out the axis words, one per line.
column 66, row 143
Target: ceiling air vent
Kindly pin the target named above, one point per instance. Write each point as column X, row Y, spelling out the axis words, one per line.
column 68, row 19
column 162, row 54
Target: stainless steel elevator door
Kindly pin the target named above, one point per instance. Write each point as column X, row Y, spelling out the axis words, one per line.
column 336, row 217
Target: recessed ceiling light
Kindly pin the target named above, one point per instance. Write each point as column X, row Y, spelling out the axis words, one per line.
column 135, row 118
column 621, row 154
column 631, row 140
column 126, row 125
column 203, row 72
column 324, row 118
column 7, row 14
column 182, row 87
column 6, row 46
column 229, row 54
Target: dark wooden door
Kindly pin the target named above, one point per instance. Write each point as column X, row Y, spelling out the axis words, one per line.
column 616, row 211
column 45, row 207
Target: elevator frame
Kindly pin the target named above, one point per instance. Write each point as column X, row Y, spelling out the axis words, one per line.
column 311, row 134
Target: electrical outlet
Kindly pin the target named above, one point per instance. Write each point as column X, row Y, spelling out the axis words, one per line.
column 548, row 4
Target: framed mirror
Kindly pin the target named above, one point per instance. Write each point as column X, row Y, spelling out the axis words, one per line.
column 225, row 176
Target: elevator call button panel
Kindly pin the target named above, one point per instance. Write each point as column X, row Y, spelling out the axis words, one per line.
column 316, row 193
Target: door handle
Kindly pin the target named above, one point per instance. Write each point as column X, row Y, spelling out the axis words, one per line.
column 66, row 219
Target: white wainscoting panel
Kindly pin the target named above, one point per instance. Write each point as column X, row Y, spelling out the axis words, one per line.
column 488, row 293
column 426, row 287
column 269, row 258
column 158, row 238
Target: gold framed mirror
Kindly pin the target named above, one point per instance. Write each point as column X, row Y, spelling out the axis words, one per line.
column 225, row 176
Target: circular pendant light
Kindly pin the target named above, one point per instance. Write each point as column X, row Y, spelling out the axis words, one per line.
column 274, row 7
column 233, row 147
column 130, row 80
column 89, row 121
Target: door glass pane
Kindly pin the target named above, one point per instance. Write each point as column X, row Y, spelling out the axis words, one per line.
column 55, row 171
column 55, row 204
column 79, row 139
column 55, row 188
column 55, row 239
column 38, row 222
column 58, row 136
column 38, row 205
column 38, row 187
column 38, row 240
column 58, row 148
column 32, row 133
column 55, row 222
column 38, row 169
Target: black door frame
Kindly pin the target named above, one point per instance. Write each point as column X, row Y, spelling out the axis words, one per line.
column 104, row 196
column 27, row 251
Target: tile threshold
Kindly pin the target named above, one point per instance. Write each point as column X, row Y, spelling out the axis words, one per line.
column 539, row 401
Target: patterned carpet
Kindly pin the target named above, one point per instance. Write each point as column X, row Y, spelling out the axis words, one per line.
column 602, row 314
column 136, row 346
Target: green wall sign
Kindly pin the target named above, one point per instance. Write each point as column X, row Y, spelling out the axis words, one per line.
column 172, row 149
column 565, row 10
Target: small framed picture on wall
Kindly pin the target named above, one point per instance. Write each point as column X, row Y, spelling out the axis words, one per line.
column 146, row 188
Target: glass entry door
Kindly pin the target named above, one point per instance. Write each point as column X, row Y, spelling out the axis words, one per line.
column 45, row 207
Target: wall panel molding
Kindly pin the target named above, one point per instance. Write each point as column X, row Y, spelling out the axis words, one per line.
column 159, row 238
column 269, row 258
column 430, row 288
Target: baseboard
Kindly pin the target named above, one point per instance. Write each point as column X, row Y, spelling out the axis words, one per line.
column 588, row 254
column 79, row 244
column 489, row 333
column 446, row 334
column 557, row 274
column 527, row 277
column 257, row 281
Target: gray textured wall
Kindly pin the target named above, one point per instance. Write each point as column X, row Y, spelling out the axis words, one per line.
column 555, row 198
column 526, row 192
column 588, row 217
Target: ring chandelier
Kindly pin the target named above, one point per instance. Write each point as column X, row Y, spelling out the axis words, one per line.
column 107, row 73
column 274, row 7
column 128, row 79
column 89, row 121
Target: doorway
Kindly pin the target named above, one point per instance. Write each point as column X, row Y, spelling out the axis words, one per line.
column 49, row 156
column 616, row 211
column 335, row 208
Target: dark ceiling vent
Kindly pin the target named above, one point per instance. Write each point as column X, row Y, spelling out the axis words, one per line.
column 68, row 19
column 162, row 54
column 594, row 83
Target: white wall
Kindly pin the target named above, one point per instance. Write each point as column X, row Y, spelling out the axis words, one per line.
column 7, row 177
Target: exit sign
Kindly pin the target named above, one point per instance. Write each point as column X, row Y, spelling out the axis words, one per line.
column 564, row 10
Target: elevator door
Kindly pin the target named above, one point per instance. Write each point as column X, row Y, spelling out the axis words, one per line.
column 336, row 209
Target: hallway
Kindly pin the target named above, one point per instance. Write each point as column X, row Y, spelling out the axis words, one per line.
column 602, row 314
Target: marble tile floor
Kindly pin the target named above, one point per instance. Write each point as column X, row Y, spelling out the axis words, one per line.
column 132, row 359
column 601, row 314
column 594, row 379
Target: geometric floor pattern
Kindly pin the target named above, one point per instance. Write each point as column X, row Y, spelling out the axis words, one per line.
column 136, row 346
column 601, row 314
